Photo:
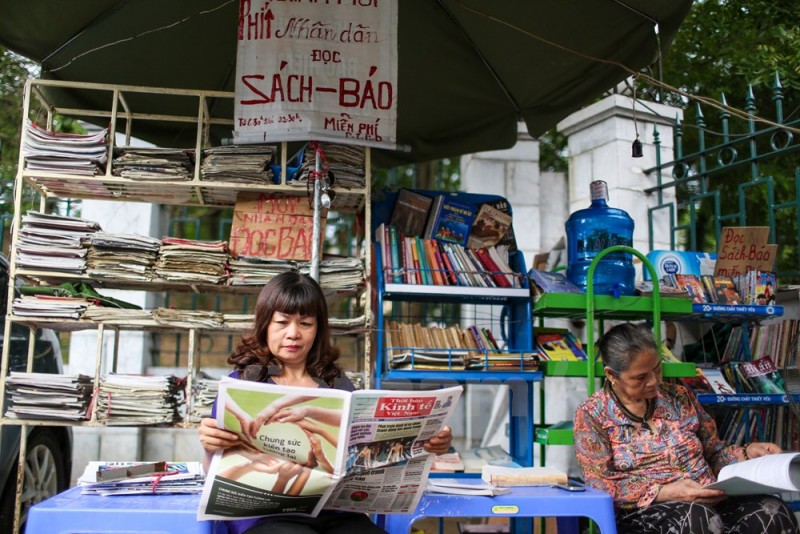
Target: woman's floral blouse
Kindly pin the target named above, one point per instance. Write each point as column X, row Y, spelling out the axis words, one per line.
column 631, row 463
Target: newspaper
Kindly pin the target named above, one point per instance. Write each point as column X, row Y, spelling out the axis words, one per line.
column 305, row 449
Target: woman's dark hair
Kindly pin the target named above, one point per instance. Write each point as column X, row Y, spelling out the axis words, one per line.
column 621, row 344
column 290, row 293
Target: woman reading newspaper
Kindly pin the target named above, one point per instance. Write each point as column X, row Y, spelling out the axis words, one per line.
column 290, row 346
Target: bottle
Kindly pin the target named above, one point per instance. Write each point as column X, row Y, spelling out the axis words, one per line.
column 593, row 229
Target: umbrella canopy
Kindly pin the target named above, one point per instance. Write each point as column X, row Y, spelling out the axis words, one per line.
column 469, row 70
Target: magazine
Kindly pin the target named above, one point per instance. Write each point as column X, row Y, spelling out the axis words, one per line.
column 305, row 449
column 767, row 474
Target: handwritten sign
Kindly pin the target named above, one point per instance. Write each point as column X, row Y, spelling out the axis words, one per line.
column 744, row 248
column 325, row 71
column 272, row 226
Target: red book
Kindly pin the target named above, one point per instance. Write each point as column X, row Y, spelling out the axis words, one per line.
column 450, row 271
column 435, row 268
column 487, row 261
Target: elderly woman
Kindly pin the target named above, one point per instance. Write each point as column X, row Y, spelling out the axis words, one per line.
column 654, row 448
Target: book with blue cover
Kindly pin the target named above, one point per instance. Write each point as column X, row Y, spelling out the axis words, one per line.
column 551, row 282
column 449, row 221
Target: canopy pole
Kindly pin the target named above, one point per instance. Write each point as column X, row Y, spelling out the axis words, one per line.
column 315, row 234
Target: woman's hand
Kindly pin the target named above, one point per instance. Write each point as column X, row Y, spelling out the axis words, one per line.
column 215, row 439
column 291, row 415
column 689, row 490
column 440, row 443
column 757, row 449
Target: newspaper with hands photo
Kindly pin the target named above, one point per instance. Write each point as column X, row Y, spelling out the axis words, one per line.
column 307, row 449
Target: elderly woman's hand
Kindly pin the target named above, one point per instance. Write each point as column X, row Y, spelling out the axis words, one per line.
column 689, row 490
column 758, row 449
column 440, row 443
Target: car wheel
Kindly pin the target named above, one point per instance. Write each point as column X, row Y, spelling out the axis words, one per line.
column 45, row 475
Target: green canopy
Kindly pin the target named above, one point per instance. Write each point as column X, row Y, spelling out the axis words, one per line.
column 469, row 70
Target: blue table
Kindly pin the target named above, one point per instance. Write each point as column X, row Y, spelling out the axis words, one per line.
column 71, row 512
column 522, row 502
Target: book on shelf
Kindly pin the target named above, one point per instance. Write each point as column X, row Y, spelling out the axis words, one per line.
column 503, row 361
column 644, row 288
column 509, row 240
column 772, row 473
column 551, row 282
column 489, row 227
column 556, row 344
column 721, row 289
column 410, row 212
column 449, row 221
column 692, row 284
column 757, row 287
column 763, row 376
column 716, row 380
column 698, row 383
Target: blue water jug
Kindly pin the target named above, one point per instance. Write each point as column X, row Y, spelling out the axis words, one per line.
column 593, row 229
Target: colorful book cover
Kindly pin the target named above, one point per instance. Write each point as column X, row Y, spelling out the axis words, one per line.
column 550, row 282
column 450, row 221
column 766, row 283
column 719, row 384
column 763, row 376
column 489, row 227
column 692, row 284
column 558, row 345
column 410, row 212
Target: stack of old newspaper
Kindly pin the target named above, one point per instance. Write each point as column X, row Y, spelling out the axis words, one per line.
column 153, row 164
column 238, row 163
column 65, row 153
column 131, row 478
column 346, row 162
column 338, row 273
column 188, row 260
column 204, row 392
column 247, row 271
column 50, row 306
column 120, row 316
column 122, row 256
column 48, row 396
column 54, row 242
column 125, row 399
column 188, row 318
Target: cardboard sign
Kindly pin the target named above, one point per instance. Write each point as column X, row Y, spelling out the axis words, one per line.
column 269, row 225
column 745, row 248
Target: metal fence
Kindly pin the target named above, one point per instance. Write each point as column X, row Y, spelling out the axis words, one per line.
column 735, row 173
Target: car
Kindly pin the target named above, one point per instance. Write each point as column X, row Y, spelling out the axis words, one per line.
column 48, row 458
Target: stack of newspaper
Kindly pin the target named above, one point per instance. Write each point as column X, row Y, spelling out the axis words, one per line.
column 348, row 325
column 131, row 478
column 139, row 399
column 49, row 306
column 238, row 163
column 48, row 396
column 54, row 242
column 122, row 256
column 239, row 321
column 120, row 316
column 153, row 164
column 204, row 392
column 338, row 273
column 65, row 153
column 346, row 162
column 188, row 318
column 187, row 260
column 247, row 271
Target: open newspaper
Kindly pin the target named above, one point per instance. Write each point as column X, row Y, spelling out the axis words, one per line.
column 305, row 449
column 773, row 473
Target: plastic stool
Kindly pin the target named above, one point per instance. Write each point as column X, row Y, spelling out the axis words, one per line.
column 522, row 502
column 71, row 512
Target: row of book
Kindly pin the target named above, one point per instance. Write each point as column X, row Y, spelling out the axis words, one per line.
column 759, row 340
column 414, row 346
column 758, row 376
column 773, row 424
column 753, row 287
column 413, row 260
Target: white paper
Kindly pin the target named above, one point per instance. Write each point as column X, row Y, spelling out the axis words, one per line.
column 768, row 474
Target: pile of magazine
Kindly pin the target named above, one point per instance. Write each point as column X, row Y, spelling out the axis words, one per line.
column 54, row 242
column 64, row 153
column 345, row 162
column 153, row 164
column 187, row 260
column 125, row 399
column 238, row 163
column 122, row 256
column 135, row 478
column 48, row 396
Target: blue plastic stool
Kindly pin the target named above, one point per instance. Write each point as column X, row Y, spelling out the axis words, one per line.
column 522, row 502
column 71, row 512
